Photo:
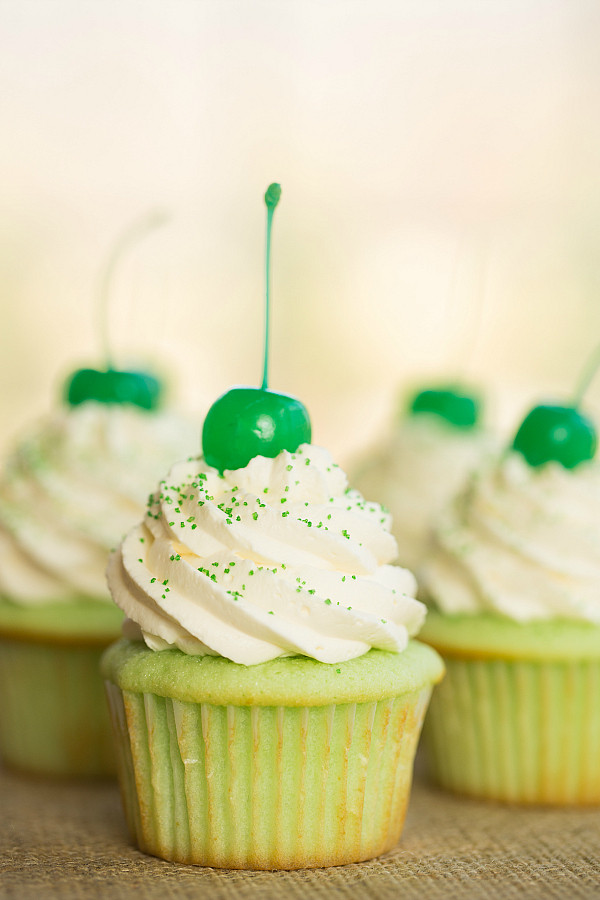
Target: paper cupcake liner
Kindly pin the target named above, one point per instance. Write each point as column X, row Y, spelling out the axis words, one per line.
column 53, row 713
column 265, row 787
column 517, row 731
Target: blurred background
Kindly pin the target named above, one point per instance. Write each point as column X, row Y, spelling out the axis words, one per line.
column 440, row 212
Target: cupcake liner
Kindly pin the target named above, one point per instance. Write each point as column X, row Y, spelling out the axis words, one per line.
column 265, row 787
column 53, row 714
column 517, row 730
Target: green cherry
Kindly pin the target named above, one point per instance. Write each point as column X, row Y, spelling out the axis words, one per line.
column 556, row 434
column 456, row 407
column 114, row 387
column 247, row 421
column 110, row 385
column 562, row 434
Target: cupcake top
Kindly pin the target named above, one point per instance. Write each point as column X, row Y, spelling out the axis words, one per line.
column 278, row 558
column 522, row 542
column 70, row 491
column 423, row 464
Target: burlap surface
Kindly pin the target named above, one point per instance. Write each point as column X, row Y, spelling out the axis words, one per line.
column 69, row 841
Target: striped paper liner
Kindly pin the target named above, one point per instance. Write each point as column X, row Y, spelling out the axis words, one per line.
column 265, row 787
column 53, row 714
column 517, row 731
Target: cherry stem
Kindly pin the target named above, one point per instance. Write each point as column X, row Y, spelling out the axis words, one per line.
column 138, row 229
column 272, row 195
column 589, row 371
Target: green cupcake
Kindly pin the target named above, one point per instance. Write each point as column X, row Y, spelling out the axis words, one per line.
column 514, row 579
column 68, row 493
column 268, row 699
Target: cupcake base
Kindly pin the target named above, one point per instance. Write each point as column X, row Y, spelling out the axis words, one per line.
column 280, row 785
column 53, row 713
column 513, row 725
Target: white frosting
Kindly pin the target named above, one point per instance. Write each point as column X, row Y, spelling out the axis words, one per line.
column 276, row 559
column 418, row 470
column 72, row 489
column 523, row 542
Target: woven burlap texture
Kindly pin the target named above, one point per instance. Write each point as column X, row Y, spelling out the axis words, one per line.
column 69, row 841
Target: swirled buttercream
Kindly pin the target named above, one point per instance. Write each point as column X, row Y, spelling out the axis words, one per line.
column 72, row 489
column 522, row 542
column 276, row 559
column 423, row 463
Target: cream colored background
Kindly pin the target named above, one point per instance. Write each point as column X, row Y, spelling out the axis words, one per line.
column 439, row 164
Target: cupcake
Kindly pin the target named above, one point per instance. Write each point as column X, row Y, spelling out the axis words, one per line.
column 267, row 697
column 434, row 445
column 69, row 492
column 514, row 585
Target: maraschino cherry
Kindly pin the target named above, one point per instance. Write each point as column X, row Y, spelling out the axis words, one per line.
column 562, row 434
column 254, row 421
column 450, row 403
column 110, row 385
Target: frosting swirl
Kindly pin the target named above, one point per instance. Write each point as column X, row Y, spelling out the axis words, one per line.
column 522, row 542
column 424, row 463
column 70, row 491
column 276, row 559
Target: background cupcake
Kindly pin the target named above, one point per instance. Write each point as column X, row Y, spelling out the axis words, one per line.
column 69, row 491
column 514, row 580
